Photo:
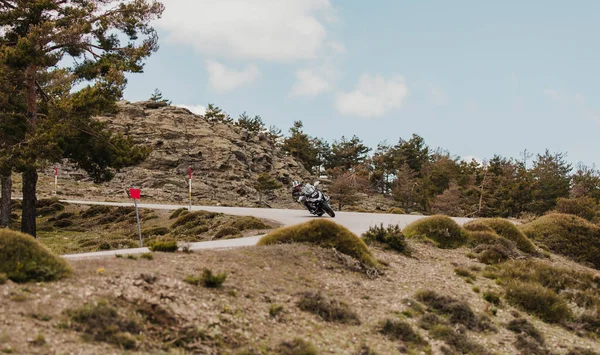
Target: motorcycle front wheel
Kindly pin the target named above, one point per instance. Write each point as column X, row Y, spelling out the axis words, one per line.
column 328, row 209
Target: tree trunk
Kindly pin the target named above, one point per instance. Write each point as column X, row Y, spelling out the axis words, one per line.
column 30, row 178
column 31, row 94
column 6, row 181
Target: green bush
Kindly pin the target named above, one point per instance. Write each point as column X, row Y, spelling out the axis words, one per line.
column 193, row 218
column 167, row 246
column 539, row 301
column 391, row 237
column 492, row 297
column 584, row 207
column 323, row 233
column 296, row 347
column 3, row 278
column 328, row 309
column 442, row 230
column 567, row 235
column 506, row 229
column 23, row 259
column 63, row 223
column 396, row 210
column 212, row 281
column 490, row 248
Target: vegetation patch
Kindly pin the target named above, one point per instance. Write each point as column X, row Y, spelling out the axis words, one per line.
column 390, row 237
column 523, row 326
column 402, row 331
column 178, row 212
column 584, row 207
column 165, row 245
column 490, row 248
column 297, row 346
column 207, row 279
column 505, row 229
column 323, row 233
column 101, row 322
column 330, row 310
column 23, row 259
column 442, row 230
column 539, row 301
column 396, row 210
column 567, row 235
column 457, row 340
column 458, row 312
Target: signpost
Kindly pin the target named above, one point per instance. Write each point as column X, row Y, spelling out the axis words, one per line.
column 55, row 180
column 190, row 173
column 135, row 194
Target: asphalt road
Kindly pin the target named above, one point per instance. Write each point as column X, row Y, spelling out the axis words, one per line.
column 356, row 222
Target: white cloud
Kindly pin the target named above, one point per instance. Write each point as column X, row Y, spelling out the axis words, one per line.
column 552, row 93
column 224, row 79
column 372, row 97
column 197, row 109
column 273, row 30
column 309, row 84
column 438, row 96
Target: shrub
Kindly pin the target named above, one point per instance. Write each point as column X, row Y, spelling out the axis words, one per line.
column 328, row 309
column 297, row 347
column 396, row 210
column 491, row 248
column 248, row 222
column 63, row 223
column 3, row 278
column 23, row 259
column 147, row 256
column 225, row 231
column 101, row 322
column 399, row 330
column 464, row 272
column 177, row 212
column 275, row 310
column 167, row 246
column 212, row 281
column 528, row 345
column 442, row 230
column 193, row 218
column 508, row 230
column 323, row 233
column 149, row 232
column 391, row 237
column 522, row 325
column 459, row 312
column 457, row 340
column 584, row 207
column 567, row 235
column 538, row 300
column 492, row 297
column 95, row 210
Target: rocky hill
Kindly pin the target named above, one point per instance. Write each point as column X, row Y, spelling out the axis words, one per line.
column 225, row 158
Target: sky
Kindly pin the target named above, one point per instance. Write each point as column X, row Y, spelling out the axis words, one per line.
column 474, row 77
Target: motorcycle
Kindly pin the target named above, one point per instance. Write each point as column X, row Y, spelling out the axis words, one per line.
column 319, row 203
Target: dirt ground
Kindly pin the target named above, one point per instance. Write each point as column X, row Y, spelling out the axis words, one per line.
column 239, row 316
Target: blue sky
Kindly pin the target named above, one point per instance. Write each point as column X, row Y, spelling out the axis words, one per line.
column 474, row 77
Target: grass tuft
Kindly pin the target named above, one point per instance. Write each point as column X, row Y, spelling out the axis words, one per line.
column 296, row 347
column 24, row 259
column 166, row 245
column 442, row 230
column 328, row 309
column 391, row 237
column 323, row 233
column 539, row 301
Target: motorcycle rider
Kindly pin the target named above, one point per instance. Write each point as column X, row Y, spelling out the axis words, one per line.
column 306, row 194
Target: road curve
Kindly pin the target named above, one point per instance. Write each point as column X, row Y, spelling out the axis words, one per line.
column 356, row 222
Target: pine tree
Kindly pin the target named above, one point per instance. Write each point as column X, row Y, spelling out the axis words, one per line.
column 301, row 146
column 215, row 114
column 157, row 96
column 37, row 37
column 265, row 184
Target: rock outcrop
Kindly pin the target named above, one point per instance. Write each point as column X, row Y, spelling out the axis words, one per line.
column 226, row 159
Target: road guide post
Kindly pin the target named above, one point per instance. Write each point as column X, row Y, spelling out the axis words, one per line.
column 190, row 173
column 55, row 180
column 135, row 194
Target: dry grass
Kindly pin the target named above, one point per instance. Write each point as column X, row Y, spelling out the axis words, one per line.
column 330, row 310
column 567, row 235
column 323, row 233
column 441, row 230
column 24, row 259
column 506, row 229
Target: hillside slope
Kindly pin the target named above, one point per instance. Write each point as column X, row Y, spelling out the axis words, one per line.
column 225, row 158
